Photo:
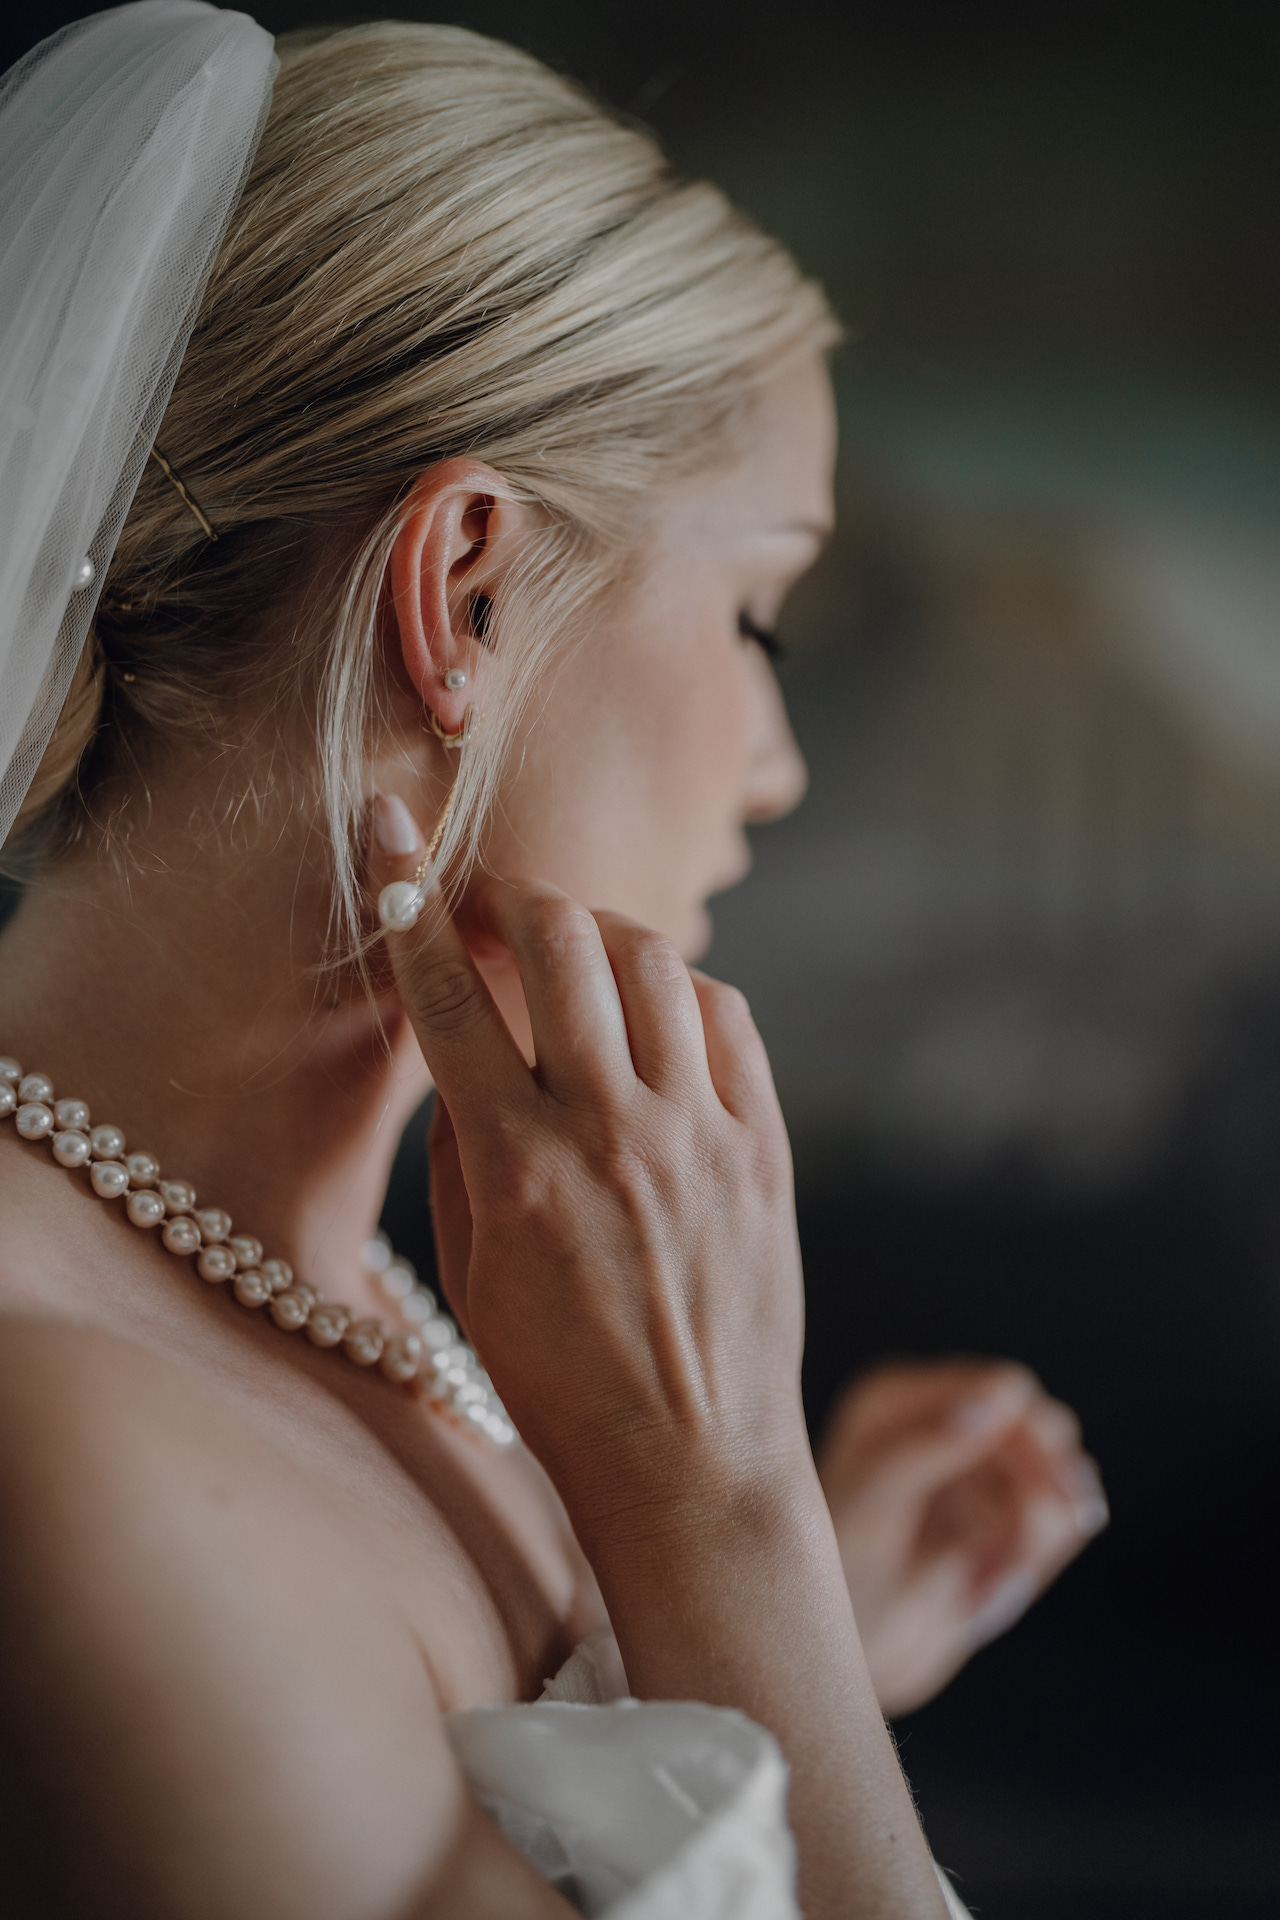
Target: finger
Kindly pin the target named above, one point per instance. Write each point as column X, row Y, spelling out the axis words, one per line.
column 659, row 1005
column 1049, row 1536
column 736, row 1057
column 450, row 1211
column 464, row 1039
column 963, row 1407
column 1004, row 1604
column 579, row 1033
column 1054, row 1427
column 1012, row 1517
column 1037, row 1468
column 910, row 1470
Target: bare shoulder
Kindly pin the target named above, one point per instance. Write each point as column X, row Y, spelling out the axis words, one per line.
column 92, row 1424
column 204, row 1708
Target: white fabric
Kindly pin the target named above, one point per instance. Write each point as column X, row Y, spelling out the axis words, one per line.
column 638, row 1810
column 124, row 143
column 641, row 1810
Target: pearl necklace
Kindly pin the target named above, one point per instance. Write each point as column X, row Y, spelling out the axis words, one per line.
column 428, row 1354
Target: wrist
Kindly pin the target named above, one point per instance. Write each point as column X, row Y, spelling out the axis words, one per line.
column 712, row 1514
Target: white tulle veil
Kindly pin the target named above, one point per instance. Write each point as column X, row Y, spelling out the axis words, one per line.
column 125, row 140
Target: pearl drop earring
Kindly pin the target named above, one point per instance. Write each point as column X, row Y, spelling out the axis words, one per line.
column 455, row 679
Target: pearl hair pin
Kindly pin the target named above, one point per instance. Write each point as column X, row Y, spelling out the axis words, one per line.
column 427, row 1353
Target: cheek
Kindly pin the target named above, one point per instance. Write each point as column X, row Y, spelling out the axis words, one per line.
column 629, row 792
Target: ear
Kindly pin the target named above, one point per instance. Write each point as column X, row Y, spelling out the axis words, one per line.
column 459, row 533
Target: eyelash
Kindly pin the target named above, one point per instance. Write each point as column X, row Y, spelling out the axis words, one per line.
column 767, row 641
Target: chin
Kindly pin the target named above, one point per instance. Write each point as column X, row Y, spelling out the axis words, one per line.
column 697, row 935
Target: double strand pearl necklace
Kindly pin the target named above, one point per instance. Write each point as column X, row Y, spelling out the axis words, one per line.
column 427, row 1355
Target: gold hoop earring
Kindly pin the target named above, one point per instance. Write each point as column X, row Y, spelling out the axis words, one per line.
column 464, row 733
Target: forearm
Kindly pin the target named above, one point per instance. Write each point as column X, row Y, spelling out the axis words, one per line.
column 750, row 1609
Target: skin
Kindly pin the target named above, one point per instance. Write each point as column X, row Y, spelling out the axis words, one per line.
column 256, row 1577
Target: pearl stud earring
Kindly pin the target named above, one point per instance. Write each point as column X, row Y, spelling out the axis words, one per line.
column 455, row 679
column 86, row 574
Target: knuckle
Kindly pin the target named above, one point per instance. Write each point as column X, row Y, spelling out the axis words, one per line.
column 531, row 1192
column 730, row 1004
column 559, row 932
column 649, row 958
column 444, row 993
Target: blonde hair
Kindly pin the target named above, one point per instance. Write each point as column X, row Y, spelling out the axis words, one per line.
column 442, row 249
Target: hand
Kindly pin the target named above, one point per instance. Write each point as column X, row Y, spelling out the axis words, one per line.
column 958, row 1491
column 617, row 1233
column 616, row 1224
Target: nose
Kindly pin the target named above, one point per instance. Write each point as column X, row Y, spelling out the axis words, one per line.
column 777, row 777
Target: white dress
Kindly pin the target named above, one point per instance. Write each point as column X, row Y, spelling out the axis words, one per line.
column 638, row 1810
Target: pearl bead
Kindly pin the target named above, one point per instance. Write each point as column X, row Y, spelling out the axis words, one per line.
column 279, row 1273
column 289, row 1310
column 108, row 1179
column 401, row 1357
column 179, row 1196
column 400, row 904
column 71, row 1148
column 326, row 1324
column 145, row 1209
column 216, row 1263
column 420, row 1306
column 85, row 575
column 397, row 1282
column 364, row 1342
column 251, row 1289
column 35, row 1120
column 430, row 1349
column 181, row 1234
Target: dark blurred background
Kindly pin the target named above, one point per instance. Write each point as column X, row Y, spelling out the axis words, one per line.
column 1018, row 957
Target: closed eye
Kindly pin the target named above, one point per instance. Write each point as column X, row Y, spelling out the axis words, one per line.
column 767, row 641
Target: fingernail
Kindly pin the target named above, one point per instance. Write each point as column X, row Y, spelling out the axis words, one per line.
column 394, row 827
column 1091, row 1509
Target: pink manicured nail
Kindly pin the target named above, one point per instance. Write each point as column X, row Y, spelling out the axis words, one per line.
column 394, row 827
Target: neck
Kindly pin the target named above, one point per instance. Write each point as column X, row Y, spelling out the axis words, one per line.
column 181, row 993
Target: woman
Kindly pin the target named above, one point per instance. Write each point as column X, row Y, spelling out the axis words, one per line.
column 490, row 461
